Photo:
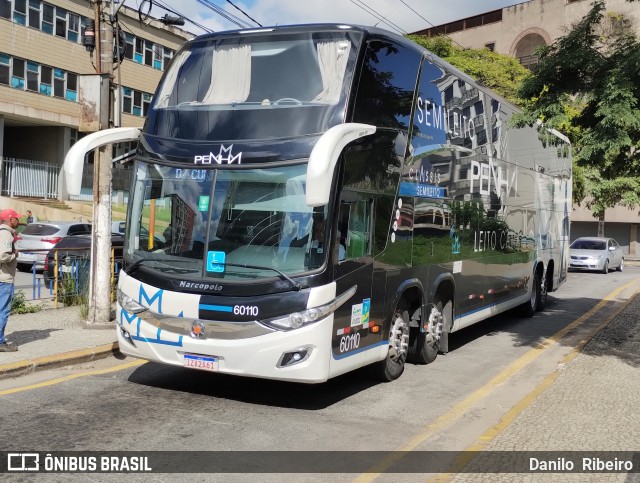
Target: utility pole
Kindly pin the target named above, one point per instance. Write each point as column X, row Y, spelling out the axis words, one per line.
column 100, row 286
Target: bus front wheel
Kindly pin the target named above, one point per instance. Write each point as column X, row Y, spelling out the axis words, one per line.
column 530, row 307
column 392, row 367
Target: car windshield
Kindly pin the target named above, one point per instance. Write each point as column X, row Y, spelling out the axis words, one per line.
column 248, row 86
column 589, row 245
column 210, row 223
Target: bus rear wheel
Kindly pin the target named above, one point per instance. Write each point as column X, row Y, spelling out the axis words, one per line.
column 426, row 344
column 392, row 367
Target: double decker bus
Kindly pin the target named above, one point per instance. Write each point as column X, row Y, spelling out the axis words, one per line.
column 308, row 200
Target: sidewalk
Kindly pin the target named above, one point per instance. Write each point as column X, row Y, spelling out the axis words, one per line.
column 54, row 337
column 589, row 404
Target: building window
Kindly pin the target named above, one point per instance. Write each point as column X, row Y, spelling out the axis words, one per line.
column 135, row 102
column 5, row 65
column 130, row 46
column 167, row 56
column 148, row 52
column 5, row 8
column 74, row 27
column 17, row 78
column 20, row 11
column 31, row 76
column 61, row 22
column 33, row 73
column 138, row 56
column 46, row 76
column 47, row 18
column 490, row 46
column 34, row 13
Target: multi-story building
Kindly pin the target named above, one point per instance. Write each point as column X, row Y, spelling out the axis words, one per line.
column 42, row 62
column 518, row 31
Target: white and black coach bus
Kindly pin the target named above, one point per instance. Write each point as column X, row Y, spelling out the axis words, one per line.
column 312, row 199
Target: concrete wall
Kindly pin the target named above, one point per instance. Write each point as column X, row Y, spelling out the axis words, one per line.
column 548, row 18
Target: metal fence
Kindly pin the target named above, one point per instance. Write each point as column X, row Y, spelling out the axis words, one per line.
column 24, row 177
column 67, row 282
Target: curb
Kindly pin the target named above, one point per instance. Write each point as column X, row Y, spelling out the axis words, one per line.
column 29, row 366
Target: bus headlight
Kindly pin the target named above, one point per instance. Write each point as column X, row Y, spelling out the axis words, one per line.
column 128, row 304
column 309, row 316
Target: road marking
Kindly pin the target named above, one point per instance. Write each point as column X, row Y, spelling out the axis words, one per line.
column 70, row 377
column 463, row 406
column 490, row 434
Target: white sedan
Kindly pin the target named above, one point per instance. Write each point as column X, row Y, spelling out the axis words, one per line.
column 600, row 254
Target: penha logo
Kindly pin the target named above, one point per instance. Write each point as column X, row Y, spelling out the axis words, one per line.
column 223, row 157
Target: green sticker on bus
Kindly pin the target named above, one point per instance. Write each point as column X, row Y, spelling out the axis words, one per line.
column 203, row 203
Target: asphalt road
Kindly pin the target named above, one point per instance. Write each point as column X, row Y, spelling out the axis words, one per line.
column 137, row 406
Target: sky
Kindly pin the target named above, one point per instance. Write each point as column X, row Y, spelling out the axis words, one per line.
column 401, row 16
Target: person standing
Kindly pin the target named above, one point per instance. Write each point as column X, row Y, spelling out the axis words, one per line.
column 30, row 218
column 9, row 220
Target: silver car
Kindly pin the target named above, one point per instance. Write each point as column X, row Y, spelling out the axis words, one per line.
column 38, row 238
column 595, row 253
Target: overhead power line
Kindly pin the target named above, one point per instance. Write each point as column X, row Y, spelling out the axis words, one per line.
column 224, row 14
column 433, row 26
column 374, row 13
column 245, row 14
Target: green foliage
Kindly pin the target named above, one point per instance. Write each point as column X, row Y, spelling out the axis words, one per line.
column 498, row 72
column 19, row 305
column 586, row 85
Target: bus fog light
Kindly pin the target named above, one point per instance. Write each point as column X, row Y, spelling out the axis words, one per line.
column 295, row 356
column 126, row 336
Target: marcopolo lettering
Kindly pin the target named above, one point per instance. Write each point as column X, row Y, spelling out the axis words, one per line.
column 200, row 286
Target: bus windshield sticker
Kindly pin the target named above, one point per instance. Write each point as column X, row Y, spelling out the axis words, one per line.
column 203, row 203
column 215, row 261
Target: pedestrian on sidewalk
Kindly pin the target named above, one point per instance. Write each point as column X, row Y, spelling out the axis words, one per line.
column 31, row 218
column 9, row 220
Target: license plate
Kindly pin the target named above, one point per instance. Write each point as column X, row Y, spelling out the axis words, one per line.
column 204, row 363
column 67, row 269
column 28, row 255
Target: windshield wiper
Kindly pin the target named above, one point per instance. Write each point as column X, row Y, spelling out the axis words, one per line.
column 293, row 283
column 286, row 277
column 140, row 261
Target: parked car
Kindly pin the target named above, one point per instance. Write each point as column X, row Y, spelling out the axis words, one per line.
column 73, row 251
column 600, row 254
column 117, row 227
column 42, row 236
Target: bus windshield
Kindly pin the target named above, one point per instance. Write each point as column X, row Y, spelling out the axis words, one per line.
column 211, row 223
column 255, row 86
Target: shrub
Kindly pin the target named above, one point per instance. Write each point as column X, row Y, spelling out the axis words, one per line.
column 19, row 304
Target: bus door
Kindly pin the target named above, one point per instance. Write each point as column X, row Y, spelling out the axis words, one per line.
column 352, row 256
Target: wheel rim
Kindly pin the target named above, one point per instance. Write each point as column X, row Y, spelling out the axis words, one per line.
column 399, row 339
column 543, row 290
column 434, row 326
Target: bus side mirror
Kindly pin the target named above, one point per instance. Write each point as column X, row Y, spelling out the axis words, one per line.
column 324, row 157
column 74, row 160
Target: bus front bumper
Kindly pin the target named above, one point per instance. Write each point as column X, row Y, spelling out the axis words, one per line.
column 300, row 355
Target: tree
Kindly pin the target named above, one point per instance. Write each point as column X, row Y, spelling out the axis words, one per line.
column 586, row 85
column 500, row 73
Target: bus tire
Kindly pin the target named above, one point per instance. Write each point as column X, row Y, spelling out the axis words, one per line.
column 392, row 367
column 426, row 345
column 544, row 292
column 530, row 307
